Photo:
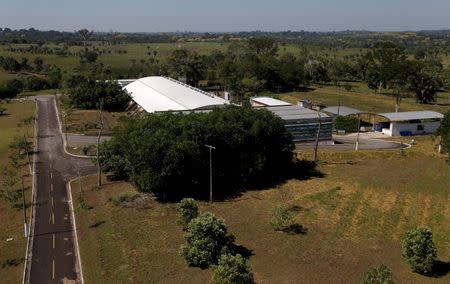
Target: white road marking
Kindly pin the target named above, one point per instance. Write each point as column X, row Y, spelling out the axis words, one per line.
column 53, row 269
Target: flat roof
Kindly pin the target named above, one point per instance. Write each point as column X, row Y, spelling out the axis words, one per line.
column 342, row 110
column 268, row 101
column 412, row 115
column 157, row 94
column 293, row 112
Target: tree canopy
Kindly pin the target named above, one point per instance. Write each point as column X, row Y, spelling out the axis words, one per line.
column 88, row 93
column 165, row 153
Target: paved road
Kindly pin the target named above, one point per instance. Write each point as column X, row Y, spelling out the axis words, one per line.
column 348, row 143
column 53, row 257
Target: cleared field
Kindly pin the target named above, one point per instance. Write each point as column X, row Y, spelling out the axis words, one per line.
column 364, row 99
column 354, row 217
column 12, row 253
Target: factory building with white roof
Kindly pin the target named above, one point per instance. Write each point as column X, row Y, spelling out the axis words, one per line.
column 163, row 94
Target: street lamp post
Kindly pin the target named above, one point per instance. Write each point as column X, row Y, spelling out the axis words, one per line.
column 210, row 171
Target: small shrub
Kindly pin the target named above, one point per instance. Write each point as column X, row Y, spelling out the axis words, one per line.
column 418, row 250
column 347, row 87
column 2, row 110
column 124, row 197
column 379, row 275
column 85, row 149
column 281, row 218
column 187, row 210
column 347, row 123
column 233, row 269
column 206, row 239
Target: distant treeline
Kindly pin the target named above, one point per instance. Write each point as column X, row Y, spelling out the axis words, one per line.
column 342, row 39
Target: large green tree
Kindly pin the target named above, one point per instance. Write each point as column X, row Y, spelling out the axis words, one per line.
column 386, row 63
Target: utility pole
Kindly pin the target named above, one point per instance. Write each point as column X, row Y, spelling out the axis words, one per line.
column 357, row 134
column 25, row 227
column 99, row 167
column 316, row 145
column 210, row 171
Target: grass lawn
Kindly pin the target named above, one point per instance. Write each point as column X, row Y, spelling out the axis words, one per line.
column 86, row 121
column 364, row 99
column 12, row 253
column 355, row 217
column 81, row 121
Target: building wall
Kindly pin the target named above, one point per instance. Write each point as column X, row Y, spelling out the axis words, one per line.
column 397, row 127
column 305, row 130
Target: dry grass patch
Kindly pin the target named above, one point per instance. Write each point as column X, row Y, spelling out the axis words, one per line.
column 354, row 217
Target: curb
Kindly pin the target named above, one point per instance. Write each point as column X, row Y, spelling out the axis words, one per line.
column 74, row 225
column 30, row 237
column 64, row 137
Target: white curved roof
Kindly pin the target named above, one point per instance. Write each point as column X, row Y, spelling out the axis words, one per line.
column 155, row 94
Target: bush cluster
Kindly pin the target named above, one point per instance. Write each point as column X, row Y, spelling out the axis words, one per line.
column 379, row 275
column 187, row 210
column 418, row 250
column 206, row 239
column 233, row 269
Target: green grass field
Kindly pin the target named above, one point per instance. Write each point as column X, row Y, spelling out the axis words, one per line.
column 12, row 253
column 355, row 217
column 364, row 99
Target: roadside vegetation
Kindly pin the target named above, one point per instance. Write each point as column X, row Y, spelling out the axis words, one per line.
column 16, row 132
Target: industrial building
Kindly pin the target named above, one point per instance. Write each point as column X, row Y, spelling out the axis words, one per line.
column 409, row 123
column 303, row 123
column 162, row 94
column 267, row 102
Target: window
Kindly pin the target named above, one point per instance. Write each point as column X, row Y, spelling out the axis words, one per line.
column 420, row 127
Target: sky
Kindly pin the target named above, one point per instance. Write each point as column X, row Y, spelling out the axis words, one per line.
column 225, row 15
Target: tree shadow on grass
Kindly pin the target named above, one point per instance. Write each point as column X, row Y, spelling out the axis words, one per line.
column 245, row 252
column 440, row 269
column 304, row 170
column 97, row 224
column 295, row 229
column 12, row 262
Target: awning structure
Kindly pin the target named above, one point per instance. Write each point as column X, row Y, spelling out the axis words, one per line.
column 342, row 110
